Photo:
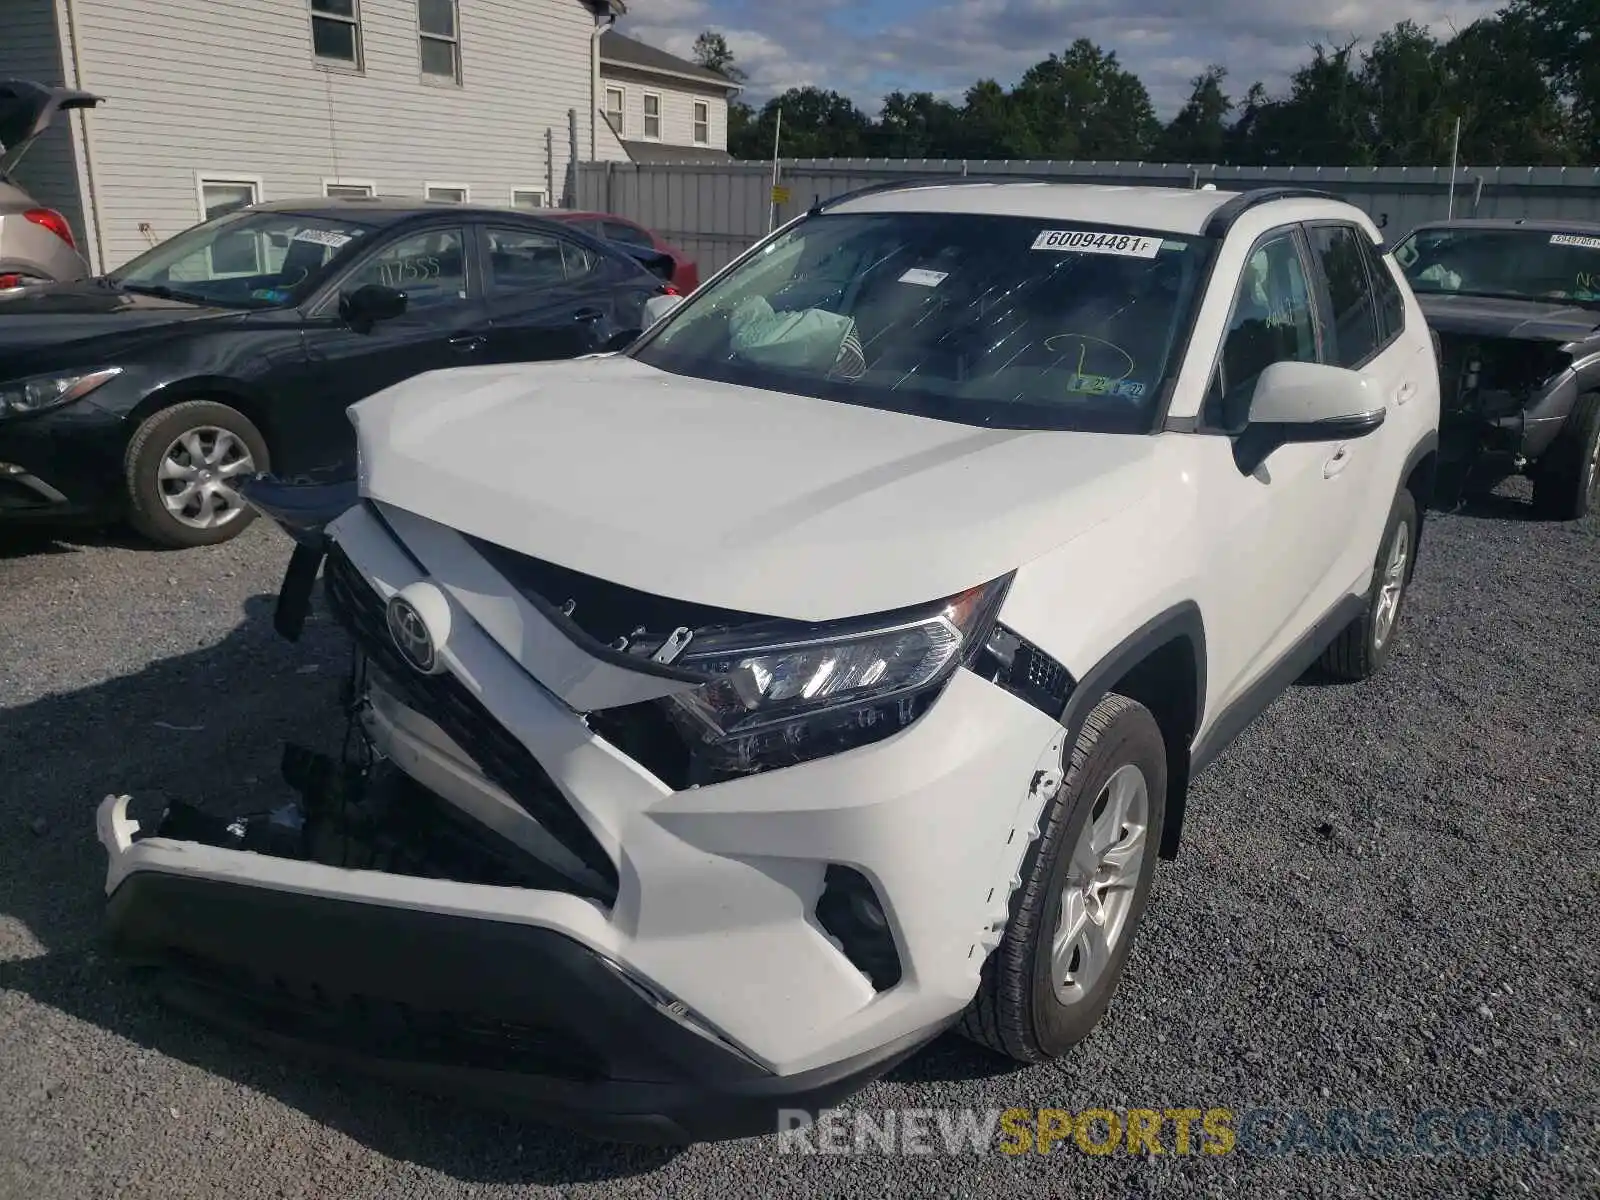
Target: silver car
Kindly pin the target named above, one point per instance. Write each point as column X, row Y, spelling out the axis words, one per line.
column 36, row 242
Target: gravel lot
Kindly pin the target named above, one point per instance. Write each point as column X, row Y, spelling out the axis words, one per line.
column 1389, row 898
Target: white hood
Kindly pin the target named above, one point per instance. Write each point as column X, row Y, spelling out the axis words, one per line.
column 705, row 492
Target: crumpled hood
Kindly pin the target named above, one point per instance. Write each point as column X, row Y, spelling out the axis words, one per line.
column 705, row 492
column 1492, row 316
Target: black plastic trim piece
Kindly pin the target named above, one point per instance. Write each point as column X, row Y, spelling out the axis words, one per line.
column 343, row 981
column 1180, row 621
column 1254, row 701
column 1229, row 212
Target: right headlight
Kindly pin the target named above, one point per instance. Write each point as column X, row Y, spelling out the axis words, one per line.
column 40, row 392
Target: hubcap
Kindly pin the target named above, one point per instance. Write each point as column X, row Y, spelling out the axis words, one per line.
column 1393, row 585
column 1102, row 877
column 197, row 473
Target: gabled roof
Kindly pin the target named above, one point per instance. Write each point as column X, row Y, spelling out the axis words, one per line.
column 621, row 51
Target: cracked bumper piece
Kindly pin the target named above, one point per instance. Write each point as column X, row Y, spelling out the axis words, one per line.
column 518, row 1017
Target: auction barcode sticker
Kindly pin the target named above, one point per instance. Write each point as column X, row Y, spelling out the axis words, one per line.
column 1572, row 239
column 1084, row 241
column 324, row 237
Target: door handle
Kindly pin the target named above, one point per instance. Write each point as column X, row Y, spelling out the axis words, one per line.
column 588, row 315
column 465, row 343
column 1406, row 390
column 1339, row 461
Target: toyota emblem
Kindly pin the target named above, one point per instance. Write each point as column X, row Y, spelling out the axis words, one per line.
column 410, row 635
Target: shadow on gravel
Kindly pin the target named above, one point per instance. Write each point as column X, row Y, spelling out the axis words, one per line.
column 23, row 541
column 246, row 695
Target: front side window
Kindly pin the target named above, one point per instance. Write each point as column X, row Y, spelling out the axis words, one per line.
column 1010, row 322
column 1511, row 262
column 429, row 267
column 246, row 258
column 336, row 32
column 439, row 39
column 1272, row 321
column 1352, row 332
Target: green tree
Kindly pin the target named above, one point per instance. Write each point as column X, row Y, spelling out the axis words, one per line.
column 816, row 124
column 1510, row 112
column 711, row 52
column 1199, row 133
column 1565, row 37
column 1085, row 104
column 1407, row 91
column 917, row 125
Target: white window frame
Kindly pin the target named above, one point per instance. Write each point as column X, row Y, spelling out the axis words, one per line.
column 205, row 179
column 368, row 188
column 453, row 42
column 702, row 106
column 659, row 117
column 544, row 197
column 621, row 94
column 464, row 189
column 338, row 64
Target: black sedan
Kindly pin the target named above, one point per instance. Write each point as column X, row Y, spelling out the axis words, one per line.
column 236, row 346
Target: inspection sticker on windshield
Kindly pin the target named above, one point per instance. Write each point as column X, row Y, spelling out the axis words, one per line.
column 1572, row 239
column 324, row 237
column 1083, row 241
column 924, row 278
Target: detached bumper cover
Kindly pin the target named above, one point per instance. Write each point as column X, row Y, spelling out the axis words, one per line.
column 513, row 1015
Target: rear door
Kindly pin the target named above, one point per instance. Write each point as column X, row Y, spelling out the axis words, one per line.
column 445, row 324
column 1363, row 331
column 551, row 296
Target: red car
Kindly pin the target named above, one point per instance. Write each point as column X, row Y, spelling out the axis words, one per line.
column 612, row 228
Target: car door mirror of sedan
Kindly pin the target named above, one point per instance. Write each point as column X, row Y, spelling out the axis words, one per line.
column 369, row 304
column 1307, row 402
column 659, row 306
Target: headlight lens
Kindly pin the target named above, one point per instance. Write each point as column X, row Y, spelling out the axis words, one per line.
column 50, row 391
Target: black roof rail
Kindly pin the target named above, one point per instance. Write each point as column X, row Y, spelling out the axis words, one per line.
column 931, row 179
column 1220, row 221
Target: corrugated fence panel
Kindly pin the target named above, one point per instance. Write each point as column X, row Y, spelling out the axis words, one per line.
column 715, row 211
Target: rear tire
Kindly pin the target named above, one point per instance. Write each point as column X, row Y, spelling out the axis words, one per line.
column 1361, row 651
column 1027, row 1007
column 180, row 471
column 1566, row 483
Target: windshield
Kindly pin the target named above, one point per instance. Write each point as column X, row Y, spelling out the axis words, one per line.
column 1009, row 322
column 245, row 259
column 1524, row 264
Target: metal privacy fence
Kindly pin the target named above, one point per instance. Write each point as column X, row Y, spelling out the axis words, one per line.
column 714, row 211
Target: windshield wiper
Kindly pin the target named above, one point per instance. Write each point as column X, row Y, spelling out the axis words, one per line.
column 168, row 293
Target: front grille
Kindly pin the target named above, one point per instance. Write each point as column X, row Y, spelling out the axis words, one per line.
column 377, row 1027
column 445, row 701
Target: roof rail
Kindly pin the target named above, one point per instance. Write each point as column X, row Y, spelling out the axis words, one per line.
column 935, row 180
column 1222, row 219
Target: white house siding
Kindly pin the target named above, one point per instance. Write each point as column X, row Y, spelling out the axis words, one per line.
column 30, row 48
column 229, row 89
column 678, row 98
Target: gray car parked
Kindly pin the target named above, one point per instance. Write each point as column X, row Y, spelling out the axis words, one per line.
column 36, row 242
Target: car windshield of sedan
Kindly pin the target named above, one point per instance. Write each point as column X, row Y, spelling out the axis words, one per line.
column 243, row 259
column 1002, row 321
column 1521, row 264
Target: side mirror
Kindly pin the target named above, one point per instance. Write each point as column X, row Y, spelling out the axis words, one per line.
column 659, row 306
column 369, row 304
column 1307, row 402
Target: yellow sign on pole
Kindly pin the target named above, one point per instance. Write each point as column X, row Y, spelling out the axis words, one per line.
column 780, row 195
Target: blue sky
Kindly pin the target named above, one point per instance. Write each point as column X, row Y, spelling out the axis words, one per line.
column 866, row 48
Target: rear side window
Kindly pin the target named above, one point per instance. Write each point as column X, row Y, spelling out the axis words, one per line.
column 521, row 261
column 1351, row 333
column 1391, row 307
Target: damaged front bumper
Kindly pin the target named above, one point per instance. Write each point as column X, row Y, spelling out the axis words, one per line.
column 553, row 928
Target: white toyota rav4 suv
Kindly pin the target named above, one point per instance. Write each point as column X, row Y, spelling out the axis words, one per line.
column 736, row 713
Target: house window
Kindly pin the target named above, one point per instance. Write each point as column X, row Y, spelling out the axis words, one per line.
column 218, row 196
column 335, row 190
column 615, row 100
column 450, row 193
column 527, row 198
column 440, row 41
column 652, row 116
column 336, row 32
column 702, row 123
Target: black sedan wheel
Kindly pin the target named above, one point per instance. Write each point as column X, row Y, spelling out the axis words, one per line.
column 183, row 469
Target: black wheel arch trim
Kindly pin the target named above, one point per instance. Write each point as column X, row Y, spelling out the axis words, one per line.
column 1182, row 621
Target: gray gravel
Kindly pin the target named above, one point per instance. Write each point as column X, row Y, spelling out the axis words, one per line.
column 1388, row 900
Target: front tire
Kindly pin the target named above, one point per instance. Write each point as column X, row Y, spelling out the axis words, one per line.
column 1362, row 649
column 1085, row 883
column 1566, row 483
column 182, row 468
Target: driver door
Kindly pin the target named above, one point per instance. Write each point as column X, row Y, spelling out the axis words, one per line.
column 445, row 324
